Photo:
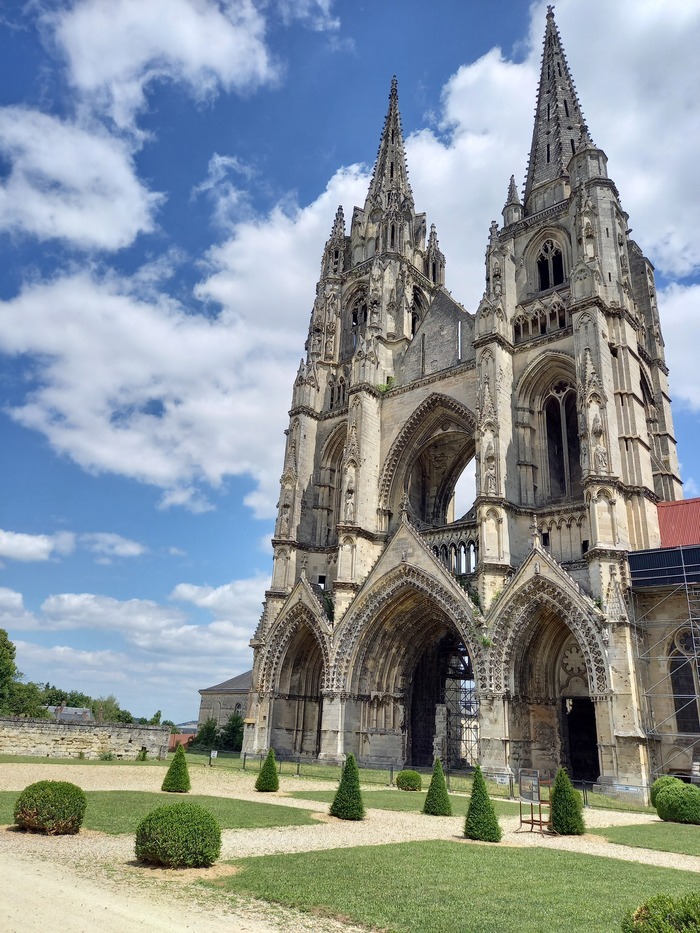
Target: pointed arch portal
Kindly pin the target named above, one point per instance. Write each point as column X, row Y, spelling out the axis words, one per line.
column 411, row 680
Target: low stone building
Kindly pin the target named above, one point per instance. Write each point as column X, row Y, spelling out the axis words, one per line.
column 221, row 701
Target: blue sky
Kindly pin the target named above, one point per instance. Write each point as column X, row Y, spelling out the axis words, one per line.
column 169, row 173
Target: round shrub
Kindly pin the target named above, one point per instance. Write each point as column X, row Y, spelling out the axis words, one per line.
column 664, row 914
column 409, row 780
column 666, row 780
column 177, row 779
column 178, row 835
column 679, row 803
column 56, row 808
column 268, row 781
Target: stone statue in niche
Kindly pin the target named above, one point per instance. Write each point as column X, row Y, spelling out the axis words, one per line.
column 584, row 455
column 490, row 486
column 600, row 455
column 350, row 504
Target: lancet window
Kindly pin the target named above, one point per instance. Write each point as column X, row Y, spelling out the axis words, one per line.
column 550, row 265
column 684, row 681
column 562, row 441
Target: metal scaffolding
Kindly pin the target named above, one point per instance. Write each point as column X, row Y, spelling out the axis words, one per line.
column 669, row 653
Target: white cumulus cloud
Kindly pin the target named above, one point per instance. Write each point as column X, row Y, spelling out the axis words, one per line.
column 116, row 48
column 70, row 183
column 18, row 546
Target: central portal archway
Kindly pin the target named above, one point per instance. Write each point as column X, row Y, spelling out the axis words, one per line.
column 411, row 686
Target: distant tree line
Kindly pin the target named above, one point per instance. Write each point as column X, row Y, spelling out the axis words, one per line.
column 26, row 698
column 228, row 738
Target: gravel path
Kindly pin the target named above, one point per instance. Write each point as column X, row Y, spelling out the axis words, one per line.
column 111, row 882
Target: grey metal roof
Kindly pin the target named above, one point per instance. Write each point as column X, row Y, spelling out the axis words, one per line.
column 239, row 684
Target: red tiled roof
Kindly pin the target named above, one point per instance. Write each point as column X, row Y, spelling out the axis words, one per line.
column 679, row 522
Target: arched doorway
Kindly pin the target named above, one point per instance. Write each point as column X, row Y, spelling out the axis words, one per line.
column 412, row 686
column 552, row 717
column 297, row 702
column 444, row 707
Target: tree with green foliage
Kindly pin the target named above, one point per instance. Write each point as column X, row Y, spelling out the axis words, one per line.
column 207, row 736
column 231, row 735
column 437, row 800
column 26, row 700
column 177, row 780
column 347, row 803
column 481, row 822
column 8, row 669
column 174, row 730
column 268, row 780
column 567, row 807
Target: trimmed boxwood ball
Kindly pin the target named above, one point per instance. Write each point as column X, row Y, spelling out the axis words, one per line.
column 437, row 800
column 409, row 780
column 679, row 803
column 177, row 779
column 666, row 780
column 347, row 803
column 267, row 779
column 481, row 822
column 178, row 835
column 567, row 818
column 664, row 914
column 56, row 808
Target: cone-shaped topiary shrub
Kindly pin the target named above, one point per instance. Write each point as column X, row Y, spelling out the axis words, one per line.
column 567, row 819
column 666, row 780
column 679, row 803
column 481, row 822
column 409, row 780
column 347, row 803
column 437, row 801
column 664, row 914
column 177, row 779
column 56, row 808
column 267, row 779
column 179, row 835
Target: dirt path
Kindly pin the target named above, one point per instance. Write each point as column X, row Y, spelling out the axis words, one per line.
column 91, row 880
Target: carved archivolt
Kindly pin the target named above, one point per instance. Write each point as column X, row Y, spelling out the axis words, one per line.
column 414, row 428
column 279, row 639
column 512, row 624
column 356, row 625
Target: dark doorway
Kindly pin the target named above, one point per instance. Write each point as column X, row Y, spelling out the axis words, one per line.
column 443, row 676
column 581, row 738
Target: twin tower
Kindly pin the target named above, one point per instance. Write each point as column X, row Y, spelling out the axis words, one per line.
column 396, row 629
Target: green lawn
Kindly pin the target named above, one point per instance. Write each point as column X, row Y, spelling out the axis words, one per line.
column 119, row 811
column 452, row 887
column 411, row 801
column 92, row 762
column 664, row 837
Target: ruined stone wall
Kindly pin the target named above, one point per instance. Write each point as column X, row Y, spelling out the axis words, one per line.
column 46, row 738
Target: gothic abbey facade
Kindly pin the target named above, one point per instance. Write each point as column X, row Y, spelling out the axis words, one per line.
column 398, row 630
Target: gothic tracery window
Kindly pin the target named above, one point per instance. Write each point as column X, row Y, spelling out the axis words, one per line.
column 550, row 265
column 562, row 441
column 684, row 681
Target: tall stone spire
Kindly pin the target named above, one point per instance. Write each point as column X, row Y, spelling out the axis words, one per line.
column 390, row 186
column 559, row 122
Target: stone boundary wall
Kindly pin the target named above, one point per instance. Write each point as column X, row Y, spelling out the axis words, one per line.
column 47, row 738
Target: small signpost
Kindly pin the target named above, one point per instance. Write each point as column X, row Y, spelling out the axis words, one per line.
column 212, row 754
column 531, row 787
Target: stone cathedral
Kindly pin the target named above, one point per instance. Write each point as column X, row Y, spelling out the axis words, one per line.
column 395, row 628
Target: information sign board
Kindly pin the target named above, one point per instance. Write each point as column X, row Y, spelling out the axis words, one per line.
column 529, row 785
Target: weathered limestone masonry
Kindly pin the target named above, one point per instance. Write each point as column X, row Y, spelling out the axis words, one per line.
column 397, row 630
column 46, row 738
